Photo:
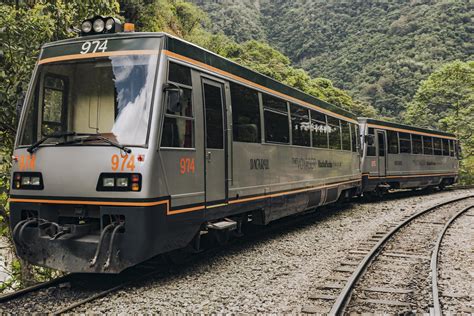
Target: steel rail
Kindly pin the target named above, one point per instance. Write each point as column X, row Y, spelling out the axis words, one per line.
column 10, row 296
column 340, row 303
column 434, row 261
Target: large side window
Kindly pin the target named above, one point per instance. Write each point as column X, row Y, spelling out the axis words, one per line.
column 427, row 145
column 371, row 147
column 354, row 137
column 54, row 105
column 276, row 120
column 319, row 130
column 245, row 114
column 346, row 135
column 417, row 144
column 334, row 133
column 405, row 143
column 300, row 125
column 178, row 127
column 392, row 139
column 437, row 146
column 451, row 148
column 445, row 147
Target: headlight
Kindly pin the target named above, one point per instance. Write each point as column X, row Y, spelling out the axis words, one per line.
column 108, row 182
column 122, row 182
column 98, row 25
column 119, row 182
column 86, row 26
column 27, row 181
column 109, row 24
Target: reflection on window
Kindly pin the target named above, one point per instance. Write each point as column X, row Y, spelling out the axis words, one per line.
column 179, row 74
column 346, row 135
column 334, row 133
column 319, row 129
column 300, row 125
column 445, row 147
column 54, row 106
column 405, row 143
column 427, row 145
column 276, row 120
column 417, row 144
column 245, row 114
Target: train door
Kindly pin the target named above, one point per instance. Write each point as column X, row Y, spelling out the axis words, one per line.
column 382, row 152
column 215, row 141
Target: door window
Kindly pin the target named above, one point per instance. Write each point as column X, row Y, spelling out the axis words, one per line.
column 214, row 116
column 381, row 141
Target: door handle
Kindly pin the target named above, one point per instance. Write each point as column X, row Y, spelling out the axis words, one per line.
column 209, row 156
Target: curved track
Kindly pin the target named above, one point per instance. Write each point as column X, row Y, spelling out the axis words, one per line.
column 344, row 297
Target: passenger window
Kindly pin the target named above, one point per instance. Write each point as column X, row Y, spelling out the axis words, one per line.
column 319, row 130
column 54, row 107
column 276, row 120
column 437, row 146
column 300, row 125
column 405, row 143
column 178, row 126
column 346, row 135
column 417, row 144
column 354, row 137
column 392, row 139
column 445, row 147
column 451, row 148
column 245, row 114
column 179, row 74
column 427, row 145
column 334, row 133
column 371, row 148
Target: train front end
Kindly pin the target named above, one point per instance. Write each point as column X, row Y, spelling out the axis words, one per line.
column 81, row 194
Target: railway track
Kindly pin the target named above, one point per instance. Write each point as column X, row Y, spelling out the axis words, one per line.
column 383, row 279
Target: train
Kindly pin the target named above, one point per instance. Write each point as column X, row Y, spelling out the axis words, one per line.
column 134, row 144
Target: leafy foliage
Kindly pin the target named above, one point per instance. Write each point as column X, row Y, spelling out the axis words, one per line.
column 378, row 51
column 446, row 101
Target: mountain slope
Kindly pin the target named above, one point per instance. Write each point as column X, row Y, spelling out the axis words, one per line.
column 378, row 51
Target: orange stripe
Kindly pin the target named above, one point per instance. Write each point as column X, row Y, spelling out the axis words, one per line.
column 412, row 176
column 89, row 202
column 290, row 192
column 409, row 131
column 184, row 210
column 250, row 83
column 95, row 55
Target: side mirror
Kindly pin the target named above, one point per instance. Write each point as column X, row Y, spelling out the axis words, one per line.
column 175, row 96
column 370, row 139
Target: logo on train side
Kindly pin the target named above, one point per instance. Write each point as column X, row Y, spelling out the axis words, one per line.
column 313, row 163
column 259, row 164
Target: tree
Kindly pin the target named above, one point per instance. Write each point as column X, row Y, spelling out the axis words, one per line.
column 446, row 101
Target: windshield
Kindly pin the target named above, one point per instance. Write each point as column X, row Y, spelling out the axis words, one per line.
column 109, row 96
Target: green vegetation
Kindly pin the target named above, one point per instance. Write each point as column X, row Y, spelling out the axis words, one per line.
column 446, row 101
column 378, row 51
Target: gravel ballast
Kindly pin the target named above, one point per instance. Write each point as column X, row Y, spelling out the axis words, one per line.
column 275, row 273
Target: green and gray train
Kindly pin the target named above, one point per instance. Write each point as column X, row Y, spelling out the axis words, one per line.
column 132, row 145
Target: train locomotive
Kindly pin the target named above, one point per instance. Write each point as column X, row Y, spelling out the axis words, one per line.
column 132, row 145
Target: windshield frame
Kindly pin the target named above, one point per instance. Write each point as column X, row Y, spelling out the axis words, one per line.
column 33, row 88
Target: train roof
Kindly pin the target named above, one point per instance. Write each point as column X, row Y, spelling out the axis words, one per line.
column 193, row 52
column 404, row 128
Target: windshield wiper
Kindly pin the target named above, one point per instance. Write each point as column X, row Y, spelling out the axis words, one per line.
column 34, row 146
column 94, row 138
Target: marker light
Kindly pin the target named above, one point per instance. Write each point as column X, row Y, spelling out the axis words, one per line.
column 129, row 27
column 98, row 25
column 86, row 26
